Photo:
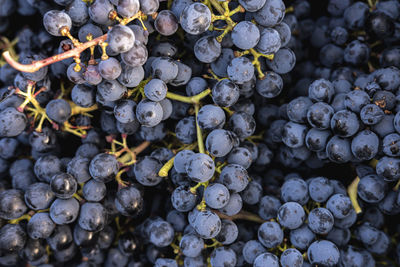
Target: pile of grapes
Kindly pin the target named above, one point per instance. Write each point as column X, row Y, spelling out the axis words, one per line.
column 199, row 133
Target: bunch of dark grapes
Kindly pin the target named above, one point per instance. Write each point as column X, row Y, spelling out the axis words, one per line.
column 173, row 133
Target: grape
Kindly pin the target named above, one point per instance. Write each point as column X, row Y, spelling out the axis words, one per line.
column 191, row 245
column 240, row 156
column 291, row 257
column 165, row 69
column 271, row 13
column 120, row 39
column 129, row 201
column 297, row 109
column 136, row 56
column 99, row 11
column 354, row 256
column 219, row 66
column 242, row 124
column 160, row 262
column 92, row 217
column 295, row 189
column 320, row 220
column 371, row 114
column 183, row 76
column 229, row 232
column 252, row 5
column 182, row 199
column 321, row 90
column 268, row 207
column 356, row 100
column 207, row 49
column 200, row 167
column 195, row 18
column 302, row 237
column 291, row 215
column 316, row 140
column 127, row 8
column 271, row 86
column 78, row 167
column 240, row 70
column 207, row 224
column 365, row 145
column 367, row 234
column 115, row 258
column 248, row 28
column 111, row 90
column 319, row 115
column 270, row 234
column 78, row 12
column 103, row 167
column 130, row 76
column 87, row 29
column 381, row 245
column 186, row 130
column 155, row 90
column 284, row 33
column 181, row 160
column 223, row 256
column 54, row 21
column 371, row 189
column 110, row 69
column 63, row 185
column 94, row 191
column 149, row 113
column 225, row 93
column 64, row 211
column 12, row 122
column 234, row 177
column 345, row 123
column 390, row 145
column 83, row 96
column 293, row 134
column 234, row 205
column 12, row 204
column 388, row 168
column 210, row 117
column 385, row 126
column 251, row 250
column 323, row 252
column 58, row 110
column 12, row 238
column 270, row 41
column 149, row 6
column 146, row 171
column 40, row 226
column 39, row 196
column 216, row 195
column 166, row 23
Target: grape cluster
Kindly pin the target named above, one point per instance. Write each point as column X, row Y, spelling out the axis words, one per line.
column 199, row 133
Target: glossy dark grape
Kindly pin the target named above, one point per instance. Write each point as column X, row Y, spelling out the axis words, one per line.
column 54, row 21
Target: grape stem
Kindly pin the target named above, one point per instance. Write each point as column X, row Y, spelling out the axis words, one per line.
column 166, row 168
column 189, row 99
column 200, row 142
column 352, row 191
column 36, row 65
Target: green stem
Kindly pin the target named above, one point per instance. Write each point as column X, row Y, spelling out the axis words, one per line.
column 189, row 99
column 200, row 142
column 166, row 168
column 352, row 191
column 217, row 6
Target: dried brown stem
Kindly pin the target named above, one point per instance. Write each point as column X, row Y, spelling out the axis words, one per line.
column 36, row 65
